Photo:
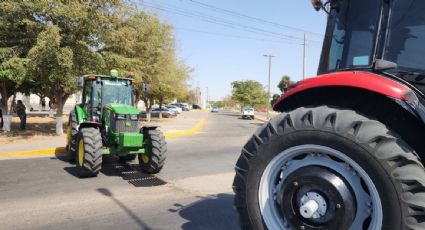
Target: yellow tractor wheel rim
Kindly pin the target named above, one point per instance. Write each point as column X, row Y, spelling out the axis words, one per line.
column 145, row 158
column 81, row 152
column 68, row 136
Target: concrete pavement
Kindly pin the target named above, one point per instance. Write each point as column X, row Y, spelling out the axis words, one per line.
column 192, row 192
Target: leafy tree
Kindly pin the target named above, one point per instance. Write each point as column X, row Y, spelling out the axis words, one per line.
column 283, row 84
column 67, row 45
column 249, row 93
column 52, row 65
column 18, row 32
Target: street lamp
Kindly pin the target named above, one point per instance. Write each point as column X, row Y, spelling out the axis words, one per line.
column 268, row 91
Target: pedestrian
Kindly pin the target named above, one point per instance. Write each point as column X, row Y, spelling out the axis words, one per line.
column 43, row 104
column 20, row 111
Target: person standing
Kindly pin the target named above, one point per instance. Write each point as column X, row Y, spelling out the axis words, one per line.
column 1, row 119
column 20, row 111
column 43, row 104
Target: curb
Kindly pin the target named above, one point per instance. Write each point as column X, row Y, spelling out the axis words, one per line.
column 261, row 119
column 60, row 151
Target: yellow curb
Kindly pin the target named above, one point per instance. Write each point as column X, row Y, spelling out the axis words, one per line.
column 261, row 119
column 34, row 153
column 61, row 150
column 191, row 131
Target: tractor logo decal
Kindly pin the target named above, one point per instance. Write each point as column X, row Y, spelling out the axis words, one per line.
column 127, row 124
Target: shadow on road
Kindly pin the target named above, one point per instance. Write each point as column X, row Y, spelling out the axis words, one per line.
column 214, row 212
column 107, row 193
column 127, row 171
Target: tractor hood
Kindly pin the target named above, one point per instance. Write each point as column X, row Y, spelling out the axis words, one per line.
column 123, row 109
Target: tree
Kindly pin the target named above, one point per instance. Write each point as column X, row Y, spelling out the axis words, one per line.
column 249, row 93
column 145, row 46
column 18, row 32
column 283, row 84
column 67, row 46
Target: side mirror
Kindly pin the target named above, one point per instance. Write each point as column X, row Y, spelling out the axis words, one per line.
column 317, row 4
column 79, row 81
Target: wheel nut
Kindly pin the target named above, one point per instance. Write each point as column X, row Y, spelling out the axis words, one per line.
column 338, row 206
column 295, row 183
column 302, row 227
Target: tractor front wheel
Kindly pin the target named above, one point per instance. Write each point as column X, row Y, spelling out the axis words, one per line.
column 326, row 168
column 153, row 160
column 72, row 135
column 89, row 153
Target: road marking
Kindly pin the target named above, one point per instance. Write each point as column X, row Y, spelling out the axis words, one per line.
column 60, row 151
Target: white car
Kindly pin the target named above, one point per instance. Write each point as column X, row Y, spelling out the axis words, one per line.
column 214, row 109
column 174, row 108
column 248, row 113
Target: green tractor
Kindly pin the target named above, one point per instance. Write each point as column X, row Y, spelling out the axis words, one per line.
column 107, row 123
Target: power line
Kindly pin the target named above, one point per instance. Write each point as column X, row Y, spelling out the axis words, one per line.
column 234, row 36
column 221, row 21
column 234, row 13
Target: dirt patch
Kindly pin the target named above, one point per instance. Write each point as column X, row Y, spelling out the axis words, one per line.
column 38, row 127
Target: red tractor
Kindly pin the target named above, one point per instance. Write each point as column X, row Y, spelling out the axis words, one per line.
column 347, row 150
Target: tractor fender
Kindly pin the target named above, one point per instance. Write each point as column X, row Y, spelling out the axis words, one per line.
column 148, row 127
column 366, row 81
column 86, row 124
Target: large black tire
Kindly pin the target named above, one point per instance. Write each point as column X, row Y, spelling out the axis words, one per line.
column 72, row 146
column 391, row 164
column 153, row 161
column 89, row 152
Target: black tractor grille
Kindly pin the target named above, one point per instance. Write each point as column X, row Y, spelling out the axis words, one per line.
column 127, row 126
column 124, row 125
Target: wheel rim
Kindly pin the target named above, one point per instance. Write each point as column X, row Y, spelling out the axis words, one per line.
column 81, row 152
column 145, row 158
column 295, row 176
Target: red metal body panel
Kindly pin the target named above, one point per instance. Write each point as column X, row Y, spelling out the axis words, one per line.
column 354, row 79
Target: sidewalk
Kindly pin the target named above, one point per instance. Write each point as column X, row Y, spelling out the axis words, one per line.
column 183, row 122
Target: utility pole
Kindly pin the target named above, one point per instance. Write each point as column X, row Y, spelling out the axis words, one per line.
column 207, row 96
column 268, row 87
column 305, row 55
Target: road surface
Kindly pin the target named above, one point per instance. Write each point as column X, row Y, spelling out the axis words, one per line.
column 192, row 192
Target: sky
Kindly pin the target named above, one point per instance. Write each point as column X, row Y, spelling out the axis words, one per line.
column 225, row 40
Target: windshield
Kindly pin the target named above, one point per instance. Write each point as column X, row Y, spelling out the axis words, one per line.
column 406, row 35
column 117, row 92
column 350, row 42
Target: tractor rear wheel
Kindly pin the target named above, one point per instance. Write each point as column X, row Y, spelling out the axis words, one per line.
column 72, row 133
column 153, row 160
column 326, row 168
column 89, row 153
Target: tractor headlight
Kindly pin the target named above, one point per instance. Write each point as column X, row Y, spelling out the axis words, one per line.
column 134, row 117
column 120, row 117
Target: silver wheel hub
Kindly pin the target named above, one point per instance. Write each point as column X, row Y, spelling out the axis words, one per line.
column 313, row 206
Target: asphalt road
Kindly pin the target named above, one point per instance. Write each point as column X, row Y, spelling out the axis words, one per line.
column 192, row 192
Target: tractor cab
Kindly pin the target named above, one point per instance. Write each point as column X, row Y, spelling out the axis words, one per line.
column 374, row 35
column 100, row 91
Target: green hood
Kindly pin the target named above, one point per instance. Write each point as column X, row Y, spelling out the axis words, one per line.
column 123, row 109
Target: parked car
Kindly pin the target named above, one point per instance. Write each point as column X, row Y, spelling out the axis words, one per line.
column 166, row 113
column 248, row 113
column 186, row 107
column 214, row 109
column 176, row 109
